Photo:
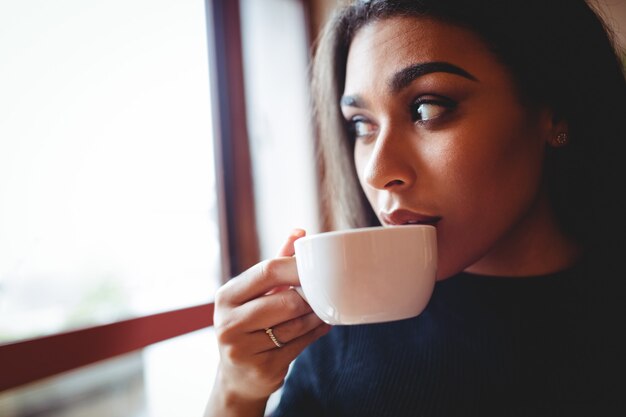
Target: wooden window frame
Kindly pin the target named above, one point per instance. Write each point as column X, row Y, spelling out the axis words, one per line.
column 29, row 361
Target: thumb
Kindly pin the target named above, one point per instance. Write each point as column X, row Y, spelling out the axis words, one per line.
column 287, row 249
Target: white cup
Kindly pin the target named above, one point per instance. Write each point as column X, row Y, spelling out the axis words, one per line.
column 368, row 275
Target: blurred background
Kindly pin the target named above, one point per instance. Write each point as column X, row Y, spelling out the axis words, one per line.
column 149, row 150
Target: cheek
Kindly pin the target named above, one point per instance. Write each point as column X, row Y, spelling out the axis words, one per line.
column 489, row 176
column 359, row 164
column 497, row 156
column 361, row 159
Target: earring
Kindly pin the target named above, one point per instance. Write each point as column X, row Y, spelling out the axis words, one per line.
column 561, row 139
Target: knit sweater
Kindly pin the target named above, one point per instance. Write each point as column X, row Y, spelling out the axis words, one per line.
column 484, row 346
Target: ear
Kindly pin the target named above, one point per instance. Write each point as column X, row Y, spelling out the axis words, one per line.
column 554, row 128
column 558, row 135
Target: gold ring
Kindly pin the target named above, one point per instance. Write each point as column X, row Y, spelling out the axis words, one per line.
column 270, row 333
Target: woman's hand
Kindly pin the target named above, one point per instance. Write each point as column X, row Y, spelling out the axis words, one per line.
column 252, row 366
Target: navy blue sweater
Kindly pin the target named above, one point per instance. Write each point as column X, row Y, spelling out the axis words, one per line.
column 484, row 346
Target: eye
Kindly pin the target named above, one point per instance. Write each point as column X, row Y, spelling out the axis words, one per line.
column 360, row 127
column 425, row 109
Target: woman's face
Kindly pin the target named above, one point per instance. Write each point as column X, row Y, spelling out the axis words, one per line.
column 442, row 138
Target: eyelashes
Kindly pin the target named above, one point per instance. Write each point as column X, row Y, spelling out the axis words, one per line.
column 426, row 111
column 427, row 108
column 360, row 127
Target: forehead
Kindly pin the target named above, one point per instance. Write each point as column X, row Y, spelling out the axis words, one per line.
column 383, row 47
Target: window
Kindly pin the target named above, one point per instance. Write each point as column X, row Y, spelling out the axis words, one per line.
column 108, row 207
column 106, row 167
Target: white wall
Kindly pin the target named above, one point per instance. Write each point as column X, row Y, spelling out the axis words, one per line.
column 279, row 126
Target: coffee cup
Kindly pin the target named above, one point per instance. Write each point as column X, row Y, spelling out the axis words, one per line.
column 368, row 275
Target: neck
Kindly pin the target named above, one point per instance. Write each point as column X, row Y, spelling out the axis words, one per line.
column 536, row 246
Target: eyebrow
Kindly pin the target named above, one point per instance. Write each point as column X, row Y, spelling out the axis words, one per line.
column 406, row 76
column 351, row 101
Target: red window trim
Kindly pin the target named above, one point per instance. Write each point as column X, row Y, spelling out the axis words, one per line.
column 31, row 360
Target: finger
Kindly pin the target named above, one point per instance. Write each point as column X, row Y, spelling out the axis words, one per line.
column 287, row 332
column 270, row 310
column 292, row 349
column 260, row 279
column 287, row 249
column 246, row 286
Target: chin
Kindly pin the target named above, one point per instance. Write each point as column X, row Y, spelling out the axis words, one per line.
column 448, row 267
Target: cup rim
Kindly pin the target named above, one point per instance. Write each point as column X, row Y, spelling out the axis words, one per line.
column 360, row 230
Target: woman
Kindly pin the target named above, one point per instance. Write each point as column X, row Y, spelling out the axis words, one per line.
column 502, row 124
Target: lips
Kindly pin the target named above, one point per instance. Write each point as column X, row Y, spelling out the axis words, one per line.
column 404, row 217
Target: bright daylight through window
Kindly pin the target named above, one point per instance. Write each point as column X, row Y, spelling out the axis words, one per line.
column 107, row 195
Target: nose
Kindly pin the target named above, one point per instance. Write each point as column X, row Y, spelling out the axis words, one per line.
column 390, row 162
